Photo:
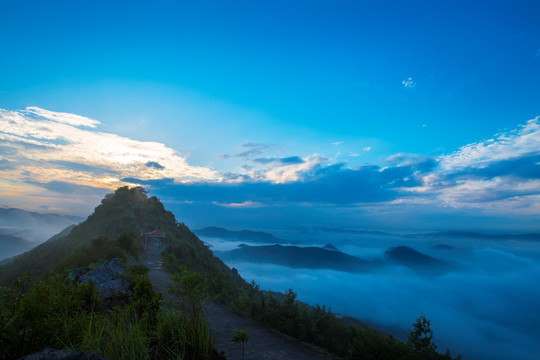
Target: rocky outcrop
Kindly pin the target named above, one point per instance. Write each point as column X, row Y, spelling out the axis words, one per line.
column 50, row 354
column 111, row 285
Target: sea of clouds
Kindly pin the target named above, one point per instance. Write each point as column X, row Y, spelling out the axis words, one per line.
column 485, row 307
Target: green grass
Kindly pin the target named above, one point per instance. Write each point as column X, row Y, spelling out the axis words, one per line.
column 183, row 337
column 116, row 336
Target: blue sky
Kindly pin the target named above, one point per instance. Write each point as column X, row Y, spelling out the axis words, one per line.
column 416, row 115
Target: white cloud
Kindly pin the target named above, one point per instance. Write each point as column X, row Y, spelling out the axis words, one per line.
column 366, row 149
column 66, row 118
column 337, row 143
column 286, row 173
column 40, row 139
column 524, row 140
column 454, row 183
column 243, row 205
column 409, row 83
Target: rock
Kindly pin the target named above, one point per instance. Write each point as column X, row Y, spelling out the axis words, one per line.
column 76, row 273
column 110, row 283
column 50, row 354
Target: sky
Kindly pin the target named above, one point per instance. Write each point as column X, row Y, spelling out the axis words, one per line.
column 394, row 115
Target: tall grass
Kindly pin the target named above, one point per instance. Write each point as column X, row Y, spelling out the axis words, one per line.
column 121, row 336
column 117, row 336
column 183, row 337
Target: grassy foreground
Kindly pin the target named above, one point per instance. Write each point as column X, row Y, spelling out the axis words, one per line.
column 61, row 314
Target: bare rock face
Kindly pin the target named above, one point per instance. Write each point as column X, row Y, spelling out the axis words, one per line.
column 111, row 285
column 50, row 354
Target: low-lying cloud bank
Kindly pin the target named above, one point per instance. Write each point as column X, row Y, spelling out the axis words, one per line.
column 485, row 308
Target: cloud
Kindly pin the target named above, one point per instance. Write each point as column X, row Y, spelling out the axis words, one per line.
column 67, row 188
column 526, row 166
column 244, row 205
column 291, row 170
column 253, row 149
column 337, row 143
column 50, row 146
column 499, row 173
column 155, row 165
column 417, row 163
column 291, row 160
column 7, row 165
column 494, row 318
column 507, row 145
column 66, row 118
column 42, row 152
column 409, row 83
column 323, row 185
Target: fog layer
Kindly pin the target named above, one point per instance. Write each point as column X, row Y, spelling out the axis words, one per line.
column 484, row 307
column 22, row 230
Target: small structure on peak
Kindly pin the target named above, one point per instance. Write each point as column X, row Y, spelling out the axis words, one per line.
column 141, row 195
column 154, row 238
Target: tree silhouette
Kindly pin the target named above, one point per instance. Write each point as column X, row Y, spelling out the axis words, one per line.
column 421, row 337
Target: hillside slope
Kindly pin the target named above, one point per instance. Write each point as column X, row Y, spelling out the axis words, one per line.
column 124, row 211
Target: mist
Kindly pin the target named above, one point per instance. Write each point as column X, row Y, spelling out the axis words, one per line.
column 485, row 306
column 22, row 230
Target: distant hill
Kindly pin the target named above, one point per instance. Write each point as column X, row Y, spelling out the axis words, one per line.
column 406, row 256
column 12, row 245
column 21, row 230
column 10, row 215
column 330, row 247
column 298, row 257
column 475, row 235
column 33, row 226
column 242, row 235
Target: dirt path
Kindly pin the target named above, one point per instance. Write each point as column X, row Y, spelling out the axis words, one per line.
column 263, row 343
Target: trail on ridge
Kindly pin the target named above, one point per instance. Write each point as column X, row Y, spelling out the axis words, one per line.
column 263, row 343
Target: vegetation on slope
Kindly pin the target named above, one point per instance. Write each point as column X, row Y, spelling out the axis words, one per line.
column 60, row 313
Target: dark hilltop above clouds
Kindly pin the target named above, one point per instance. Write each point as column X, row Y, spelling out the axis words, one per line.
column 298, row 257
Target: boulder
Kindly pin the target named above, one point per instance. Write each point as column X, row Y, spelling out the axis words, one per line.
column 109, row 281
